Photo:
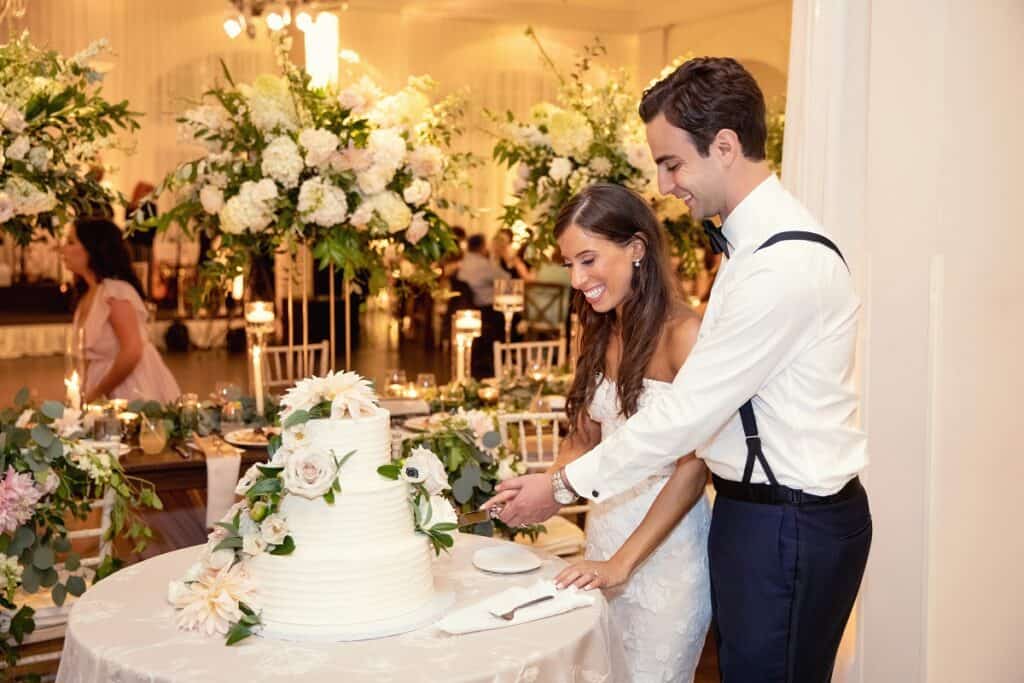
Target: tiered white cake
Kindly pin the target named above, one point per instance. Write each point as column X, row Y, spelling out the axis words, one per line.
column 359, row 570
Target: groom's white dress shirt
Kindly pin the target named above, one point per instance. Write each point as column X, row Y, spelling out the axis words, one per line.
column 780, row 326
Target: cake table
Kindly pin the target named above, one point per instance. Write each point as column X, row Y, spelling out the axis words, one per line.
column 123, row 630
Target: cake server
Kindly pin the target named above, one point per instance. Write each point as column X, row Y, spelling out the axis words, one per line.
column 471, row 518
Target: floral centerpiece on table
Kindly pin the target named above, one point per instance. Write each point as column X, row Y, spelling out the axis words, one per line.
column 592, row 133
column 354, row 173
column 49, row 477
column 54, row 123
column 475, row 459
column 216, row 595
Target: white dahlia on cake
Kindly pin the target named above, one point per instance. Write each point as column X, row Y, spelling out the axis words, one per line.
column 345, row 393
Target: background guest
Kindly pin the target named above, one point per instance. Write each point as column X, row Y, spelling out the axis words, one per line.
column 508, row 258
column 478, row 272
column 110, row 317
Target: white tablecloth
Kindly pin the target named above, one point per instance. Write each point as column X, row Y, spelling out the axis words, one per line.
column 123, row 630
column 46, row 339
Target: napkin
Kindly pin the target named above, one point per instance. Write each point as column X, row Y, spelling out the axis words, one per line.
column 222, row 464
column 480, row 616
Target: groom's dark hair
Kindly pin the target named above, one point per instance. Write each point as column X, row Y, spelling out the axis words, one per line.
column 705, row 95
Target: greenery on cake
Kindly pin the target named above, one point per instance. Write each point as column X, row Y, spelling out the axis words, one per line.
column 433, row 515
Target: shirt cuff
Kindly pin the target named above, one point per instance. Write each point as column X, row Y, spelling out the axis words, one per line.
column 582, row 476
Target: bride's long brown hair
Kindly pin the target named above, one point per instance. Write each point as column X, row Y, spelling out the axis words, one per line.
column 617, row 214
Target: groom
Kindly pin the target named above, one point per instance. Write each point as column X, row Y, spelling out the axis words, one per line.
column 766, row 397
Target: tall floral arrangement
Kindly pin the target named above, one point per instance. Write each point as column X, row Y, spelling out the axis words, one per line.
column 354, row 173
column 48, row 477
column 591, row 133
column 54, row 124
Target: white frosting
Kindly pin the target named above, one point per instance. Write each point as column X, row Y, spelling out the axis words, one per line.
column 357, row 563
column 369, row 437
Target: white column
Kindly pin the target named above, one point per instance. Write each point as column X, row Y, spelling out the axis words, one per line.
column 903, row 135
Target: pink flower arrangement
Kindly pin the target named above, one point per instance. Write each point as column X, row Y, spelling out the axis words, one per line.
column 18, row 498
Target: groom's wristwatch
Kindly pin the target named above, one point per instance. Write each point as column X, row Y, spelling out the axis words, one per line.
column 564, row 493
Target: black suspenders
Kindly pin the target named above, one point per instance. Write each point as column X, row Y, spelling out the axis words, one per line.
column 754, row 452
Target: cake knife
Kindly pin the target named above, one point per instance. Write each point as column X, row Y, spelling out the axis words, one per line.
column 471, row 518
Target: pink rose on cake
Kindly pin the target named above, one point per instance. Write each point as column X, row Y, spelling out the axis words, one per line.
column 423, row 467
column 309, row 473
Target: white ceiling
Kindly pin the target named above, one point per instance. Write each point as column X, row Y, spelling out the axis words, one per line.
column 627, row 16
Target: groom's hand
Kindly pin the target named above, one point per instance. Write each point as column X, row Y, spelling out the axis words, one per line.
column 524, row 500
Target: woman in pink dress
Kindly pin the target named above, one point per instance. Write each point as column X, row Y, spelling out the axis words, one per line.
column 110, row 318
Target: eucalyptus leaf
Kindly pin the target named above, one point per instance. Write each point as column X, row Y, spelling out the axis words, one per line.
column 55, row 451
column 21, row 398
column 59, row 593
column 491, row 439
column 62, row 544
column 48, row 577
column 52, row 409
column 43, row 435
column 72, row 562
column 76, row 585
column 42, row 557
column 23, row 538
column 30, row 579
column 462, row 489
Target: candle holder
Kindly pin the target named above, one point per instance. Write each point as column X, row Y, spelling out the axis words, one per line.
column 259, row 322
column 509, row 299
column 466, row 327
column 74, row 391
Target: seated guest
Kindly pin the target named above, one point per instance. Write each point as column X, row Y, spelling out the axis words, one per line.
column 479, row 273
column 110, row 318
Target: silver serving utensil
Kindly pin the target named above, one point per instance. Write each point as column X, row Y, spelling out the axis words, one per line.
column 510, row 614
column 471, row 518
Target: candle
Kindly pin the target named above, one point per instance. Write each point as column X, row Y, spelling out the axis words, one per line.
column 510, row 301
column 487, row 394
column 259, row 312
column 119, row 405
column 468, row 323
column 127, row 416
column 74, row 392
column 257, row 369
column 412, row 392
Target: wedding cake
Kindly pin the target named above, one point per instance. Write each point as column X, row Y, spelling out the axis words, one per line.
column 331, row 539
column 358, row 568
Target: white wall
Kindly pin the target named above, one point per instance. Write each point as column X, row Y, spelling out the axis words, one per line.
column 928, row 108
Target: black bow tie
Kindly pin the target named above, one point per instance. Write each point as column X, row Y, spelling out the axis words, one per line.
column 719, row 244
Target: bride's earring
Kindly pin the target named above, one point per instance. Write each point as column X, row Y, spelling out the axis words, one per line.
column 636, row 263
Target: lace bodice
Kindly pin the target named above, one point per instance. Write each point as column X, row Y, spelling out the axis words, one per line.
column 662, row 613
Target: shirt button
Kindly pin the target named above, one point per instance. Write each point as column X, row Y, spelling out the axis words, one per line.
column 594, row 493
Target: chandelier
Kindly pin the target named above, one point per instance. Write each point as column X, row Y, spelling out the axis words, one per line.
column 244, row 16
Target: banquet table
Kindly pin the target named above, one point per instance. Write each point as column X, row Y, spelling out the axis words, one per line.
column 123, row 630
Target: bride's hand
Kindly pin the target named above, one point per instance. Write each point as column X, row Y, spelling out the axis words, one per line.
column 588, row 574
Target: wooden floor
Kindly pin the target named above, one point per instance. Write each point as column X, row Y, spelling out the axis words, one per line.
column 199, row 371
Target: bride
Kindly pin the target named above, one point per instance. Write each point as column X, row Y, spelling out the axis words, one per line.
column 646, row 548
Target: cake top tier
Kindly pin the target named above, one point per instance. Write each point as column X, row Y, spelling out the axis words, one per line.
column 337, row 395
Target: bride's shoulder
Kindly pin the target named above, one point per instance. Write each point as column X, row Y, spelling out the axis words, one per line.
column 681, row 328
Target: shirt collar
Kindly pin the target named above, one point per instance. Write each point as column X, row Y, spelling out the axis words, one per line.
column 751, row 217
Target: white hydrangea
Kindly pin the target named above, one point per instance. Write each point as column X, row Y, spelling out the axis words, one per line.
column 362, row 215
column 360, row 97
column 600, row 165
column 638, row 155
column 417, row 192
column 418, row 228
column 198, row 123
column 375, row 179
column 560, row 169
column 352, row 158
column 6, row 208
column 282, row 162
column 570, row 133
column 388, row 148
column 28, row 199
column 18, row 149
column 319, row 144
column 270, row 103
column 212, row 199
column 251, row 209
column 392, row 210
column 426, row 161
column 401, row 110
column 39, row 157
column 11, row 118
column 322, row 203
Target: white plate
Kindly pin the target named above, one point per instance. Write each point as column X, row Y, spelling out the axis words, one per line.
column 248, row 437
column 506, row 559
column 122, row 448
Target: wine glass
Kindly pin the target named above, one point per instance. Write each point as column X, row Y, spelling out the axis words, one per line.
column 152, row 435
column 426, row 384
column 395, row 382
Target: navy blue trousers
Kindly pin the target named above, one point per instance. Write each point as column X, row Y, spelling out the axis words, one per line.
column 783, row 582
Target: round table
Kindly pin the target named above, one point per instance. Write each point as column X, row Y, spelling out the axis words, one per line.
column 123, row 630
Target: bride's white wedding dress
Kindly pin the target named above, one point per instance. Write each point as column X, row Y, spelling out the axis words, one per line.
column 663, row 611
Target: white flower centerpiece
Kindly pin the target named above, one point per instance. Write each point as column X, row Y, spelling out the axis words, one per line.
column 218, row 595
column 351, row 172
column 593, row 133
column 54, row 124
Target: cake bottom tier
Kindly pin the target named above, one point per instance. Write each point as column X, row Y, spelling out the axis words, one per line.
column 359, row 592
